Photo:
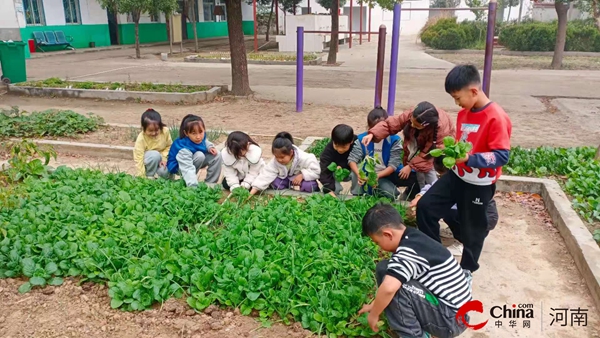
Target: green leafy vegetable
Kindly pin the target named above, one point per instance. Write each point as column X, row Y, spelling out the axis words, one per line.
column 453, row 151
column 148, row 241
column 340, row 174
column 51, row 122
column 368, row 171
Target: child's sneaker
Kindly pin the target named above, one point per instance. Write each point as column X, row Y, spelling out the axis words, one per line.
column 469, row 277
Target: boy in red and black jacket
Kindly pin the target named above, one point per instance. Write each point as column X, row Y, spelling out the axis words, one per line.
column 472, row 182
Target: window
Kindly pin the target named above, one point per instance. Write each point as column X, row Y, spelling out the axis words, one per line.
column 209, row 10
column 72, row 15
column 34, row 12
column 155, row 17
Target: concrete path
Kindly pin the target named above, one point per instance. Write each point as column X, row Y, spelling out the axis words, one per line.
column 420, row 77
column 410, row 55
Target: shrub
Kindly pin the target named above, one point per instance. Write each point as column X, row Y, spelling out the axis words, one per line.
column 447, row 34
column 582, row 36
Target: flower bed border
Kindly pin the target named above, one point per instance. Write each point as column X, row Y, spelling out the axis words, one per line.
column 119, row 95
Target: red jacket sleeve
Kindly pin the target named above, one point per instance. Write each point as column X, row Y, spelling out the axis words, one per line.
column 391, row 126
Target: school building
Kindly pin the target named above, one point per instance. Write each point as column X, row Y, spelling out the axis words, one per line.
column 90, row 25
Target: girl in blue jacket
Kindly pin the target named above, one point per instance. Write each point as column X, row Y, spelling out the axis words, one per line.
column 192, row 151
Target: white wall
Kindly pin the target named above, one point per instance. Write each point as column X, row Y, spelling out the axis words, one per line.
column 247, row 11
column 546, row 13
column 54, row 12
column 514, row 12
column 8, row 14
column 92, row 13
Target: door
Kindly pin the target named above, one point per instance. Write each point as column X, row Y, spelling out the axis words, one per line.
column 113, row 27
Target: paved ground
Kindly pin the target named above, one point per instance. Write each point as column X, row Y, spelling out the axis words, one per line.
column 420, row 77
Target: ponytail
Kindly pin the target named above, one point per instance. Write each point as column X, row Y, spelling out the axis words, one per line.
column 283, row 142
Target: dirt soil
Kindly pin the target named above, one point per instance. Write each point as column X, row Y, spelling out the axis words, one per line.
column 524, row 261
column 270, row 117
column 523, row 62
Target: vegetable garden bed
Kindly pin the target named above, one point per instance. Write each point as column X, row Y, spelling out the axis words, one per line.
column 152, row 240
column 574, row 168
column 145, row 91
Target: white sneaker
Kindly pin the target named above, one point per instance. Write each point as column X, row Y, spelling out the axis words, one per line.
column 456, row 249
column 469, row 277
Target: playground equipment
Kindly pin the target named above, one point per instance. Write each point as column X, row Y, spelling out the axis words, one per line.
column 487, row 65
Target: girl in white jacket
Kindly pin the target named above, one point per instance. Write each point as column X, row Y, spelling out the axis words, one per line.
column 242, row 160
column 290, row 167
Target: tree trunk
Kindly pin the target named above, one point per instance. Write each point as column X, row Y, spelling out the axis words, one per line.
column 596, row 12
column 520, row 10
column 562, row 9
column 509, row 9
column 193, row 16
column 168, row 21
column 335, row 28
column 270, row 18
column 116, row 13
column 240, row 86
column 136, row 19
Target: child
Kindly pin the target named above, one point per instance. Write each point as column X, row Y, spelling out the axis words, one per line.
column 152, row 146
column 422, row 127
column 290, row 167
column 472, row 182
column 242, row 160
column 337, row 150
column 452, row 219
column 192, row 151
column 421, row 287
column 388, row 151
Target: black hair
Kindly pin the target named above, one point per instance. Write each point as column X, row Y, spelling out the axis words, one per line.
column 426, row 114
column 238, row 141
column 438, row 165
column 151, row 116
column 283, row 142
column 189, row 123
column 375, row 116
column 342, row 134
column 381, row 215
column 461, row 77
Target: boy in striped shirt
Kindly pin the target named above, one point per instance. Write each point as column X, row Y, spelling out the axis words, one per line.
column 421, row 287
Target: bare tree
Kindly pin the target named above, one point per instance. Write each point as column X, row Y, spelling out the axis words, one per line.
column 237, row 47
column 562, row 9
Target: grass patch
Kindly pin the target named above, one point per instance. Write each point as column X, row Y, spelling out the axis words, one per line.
column 280, row 57
column 523, row 62
column 127, row 86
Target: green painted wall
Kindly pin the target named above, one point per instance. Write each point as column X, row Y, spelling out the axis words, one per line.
column 149, row 33
column 248, row 27
column 82, row 34
column 217, row 29
column 157, row 32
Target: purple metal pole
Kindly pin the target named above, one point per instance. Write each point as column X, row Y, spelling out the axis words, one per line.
column 489, row 47
column 380, row 65
column 299, row 68
column 394, row 60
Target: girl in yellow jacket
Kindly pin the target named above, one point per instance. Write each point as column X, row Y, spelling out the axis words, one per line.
column 152, row 146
